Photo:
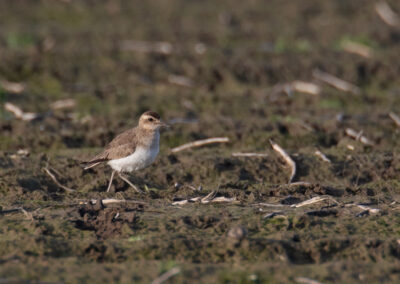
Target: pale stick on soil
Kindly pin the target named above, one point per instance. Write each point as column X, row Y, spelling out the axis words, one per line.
column 47, row 171
column 357, row 48
column 369, row 209
column 336, row 82
column 162, row 47
column 250, row 155
column 180, row 81
column 313, row 200
column 186, row 201
column 365, row 208
column 62, row 104
column 109, row 201
column 221, row 199
column 167, row 275
column 209, row 198
column 358, row 136
column 387, row 14
column 298, row 86
column 306, row 87
column 286, row 157
column 12, row 87
column 270, row 205
column 26, row 213
column 322, row 156
column 18, row 113
column 199, row 143
column 306, row 280
column 395, row 118
column 23, row 152
column 20, row 153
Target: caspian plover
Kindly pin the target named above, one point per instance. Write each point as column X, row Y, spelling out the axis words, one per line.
column 132, row 150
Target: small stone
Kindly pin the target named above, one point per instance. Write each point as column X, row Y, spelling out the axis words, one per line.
column 238, row 233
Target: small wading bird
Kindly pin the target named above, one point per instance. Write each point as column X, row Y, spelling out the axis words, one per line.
column 132, row 150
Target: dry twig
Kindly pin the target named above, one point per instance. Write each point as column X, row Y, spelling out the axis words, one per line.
column 387, row 14
column 12, row 87
column 298, row 86
column 109, row 201
column 47, row 171
column 17, row 111
column 221, row 199
column 167, row 275
column 286, row 157
column 250, row 155
column 270, row 205
column 306, row 87
column 365, row 208
column 395, row 118
column 186, row 201
column 313, row 200
column 61, row 104
column 336, row 82
column 358, row 136
column 322, row 156
column 209, row 198
column 369, row 209
column 199, row 143
column 357, row 48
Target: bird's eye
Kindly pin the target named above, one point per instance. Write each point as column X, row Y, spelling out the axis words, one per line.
column 150, row 119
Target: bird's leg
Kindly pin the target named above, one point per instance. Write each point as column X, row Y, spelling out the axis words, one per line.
column 128, row 182
column 111, row 179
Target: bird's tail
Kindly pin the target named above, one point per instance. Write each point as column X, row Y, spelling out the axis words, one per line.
column 90, row 165
column 97, row 160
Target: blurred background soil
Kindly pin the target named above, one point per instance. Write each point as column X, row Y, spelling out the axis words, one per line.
column 212, row 69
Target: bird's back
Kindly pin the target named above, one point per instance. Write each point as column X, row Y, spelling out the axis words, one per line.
column 121, row 146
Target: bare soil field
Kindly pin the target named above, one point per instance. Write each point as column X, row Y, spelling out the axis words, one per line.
column 321, row 79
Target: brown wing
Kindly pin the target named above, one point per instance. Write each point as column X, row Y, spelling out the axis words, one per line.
column 120, row 147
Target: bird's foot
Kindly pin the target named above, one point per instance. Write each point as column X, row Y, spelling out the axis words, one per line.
column 129, row 183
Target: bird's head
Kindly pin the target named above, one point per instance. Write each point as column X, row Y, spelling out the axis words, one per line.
column 151, row 120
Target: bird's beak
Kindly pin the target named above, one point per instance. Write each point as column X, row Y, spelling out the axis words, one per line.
column 163, row 124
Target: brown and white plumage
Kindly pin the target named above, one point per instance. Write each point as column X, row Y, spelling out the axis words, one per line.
column 133, row 149
column 121, row 146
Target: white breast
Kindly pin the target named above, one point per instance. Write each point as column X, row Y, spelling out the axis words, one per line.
column 141, row 158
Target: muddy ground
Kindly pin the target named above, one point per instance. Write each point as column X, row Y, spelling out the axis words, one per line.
column 233, row 56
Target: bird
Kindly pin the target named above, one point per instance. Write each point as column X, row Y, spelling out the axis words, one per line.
column 132, row 150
